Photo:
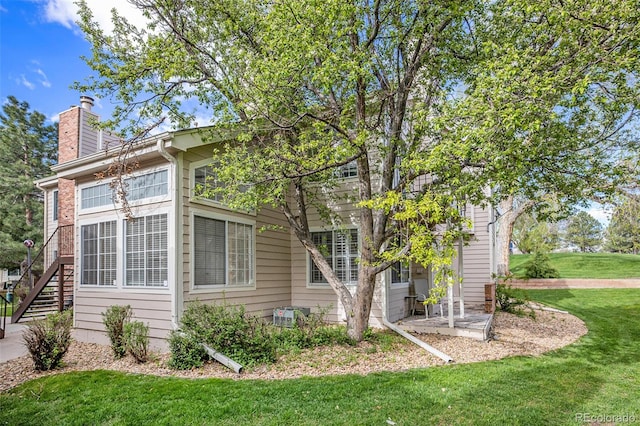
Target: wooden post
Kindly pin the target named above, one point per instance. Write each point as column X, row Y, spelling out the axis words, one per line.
column 61, row 287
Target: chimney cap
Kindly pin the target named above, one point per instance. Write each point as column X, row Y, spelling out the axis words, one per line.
column 86, row 102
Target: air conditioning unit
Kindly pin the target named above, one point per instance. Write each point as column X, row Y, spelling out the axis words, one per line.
column 286, row 316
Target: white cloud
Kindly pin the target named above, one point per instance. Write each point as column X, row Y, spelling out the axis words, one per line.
column 26, row 83
column 65, row 12
column 599, row 212
column 44, row 80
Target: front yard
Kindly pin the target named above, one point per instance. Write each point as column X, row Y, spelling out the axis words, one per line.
column 594, row 379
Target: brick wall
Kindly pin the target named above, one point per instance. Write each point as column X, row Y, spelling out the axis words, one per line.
column 68, row 144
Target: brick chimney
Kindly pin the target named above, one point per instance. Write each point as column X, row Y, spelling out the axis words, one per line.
column 69, row 128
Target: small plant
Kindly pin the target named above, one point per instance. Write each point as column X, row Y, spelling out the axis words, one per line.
column 114, row 319
column 136, row 339
column 538, row 267
column 513, row 300
column 48, row 340
column 186, row 352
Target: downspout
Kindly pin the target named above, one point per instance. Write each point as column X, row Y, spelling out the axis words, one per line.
column 446, row 358
column 176, row 218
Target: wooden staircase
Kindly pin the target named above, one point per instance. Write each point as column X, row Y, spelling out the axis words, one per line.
column 53, row 291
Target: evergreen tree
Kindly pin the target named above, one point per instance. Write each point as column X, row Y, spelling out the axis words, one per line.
column 623, row 232
column 584, row 231
column 28, row 147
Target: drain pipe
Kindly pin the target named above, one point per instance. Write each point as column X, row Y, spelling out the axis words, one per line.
column 223, row 359
column 446, row 358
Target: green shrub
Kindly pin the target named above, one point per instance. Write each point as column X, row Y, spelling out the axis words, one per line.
column 538, row 267
column 136, row 338
column 513, row 300
column 230, row 331
column 310, row 331
column 48, row 340
column 186, row 351
column 114, row 319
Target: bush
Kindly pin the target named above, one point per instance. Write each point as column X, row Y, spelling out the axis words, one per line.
column 136, row 338
column 48, row 340
column 114, row 319
column 310, row 331
column 513, row 300
column 539, row 267
column 228, row 330
column 186, row 351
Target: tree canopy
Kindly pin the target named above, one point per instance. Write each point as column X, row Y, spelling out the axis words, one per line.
column 623, row 232
column 430, row 102
column 28, row 147
column 584, row 231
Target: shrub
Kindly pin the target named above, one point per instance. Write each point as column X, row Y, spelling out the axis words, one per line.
column 186, row 351
column 538, row 267
column 513, row 300
column 48, row 340
column 230, row 331
column 114, row 319
column 136, row 338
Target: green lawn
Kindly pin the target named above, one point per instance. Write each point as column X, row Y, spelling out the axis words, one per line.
column 585, row 265
column 597, row 375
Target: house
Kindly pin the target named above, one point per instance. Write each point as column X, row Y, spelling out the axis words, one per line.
column 180, row 248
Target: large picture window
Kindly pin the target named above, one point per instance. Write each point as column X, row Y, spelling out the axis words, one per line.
column 98, row 258
column 340, row 249
column 223, row 253
column 149, row 185
column 146, row 251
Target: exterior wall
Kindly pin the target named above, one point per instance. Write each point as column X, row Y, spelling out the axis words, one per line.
column 272, row 250
column 151, row 305
column 477, row 259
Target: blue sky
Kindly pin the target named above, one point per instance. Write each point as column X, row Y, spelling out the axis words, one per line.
column 40, row 50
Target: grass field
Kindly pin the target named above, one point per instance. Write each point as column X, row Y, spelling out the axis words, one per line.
column 586, row 265
column 593, row 380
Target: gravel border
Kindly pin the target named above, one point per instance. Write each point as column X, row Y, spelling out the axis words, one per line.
column 513, row 336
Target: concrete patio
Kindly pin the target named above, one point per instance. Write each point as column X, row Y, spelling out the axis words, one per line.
column 476, row 323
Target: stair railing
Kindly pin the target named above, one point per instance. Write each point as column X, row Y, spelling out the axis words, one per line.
column 60, row 243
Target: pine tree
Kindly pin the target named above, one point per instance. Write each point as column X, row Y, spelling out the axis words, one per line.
column 584, row 231
column 28, row 148
column 623, row 232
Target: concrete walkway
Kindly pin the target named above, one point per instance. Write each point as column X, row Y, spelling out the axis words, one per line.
column 12, row 346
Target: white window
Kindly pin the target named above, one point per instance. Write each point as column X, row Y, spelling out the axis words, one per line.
column 55, row 205
column 340, row 249
column 96, row 196
column 146, row 251
column 348, row 170
column 205, row 178
column 400, row 272
column 147, row 186
column 98, row 258
column 223, row 252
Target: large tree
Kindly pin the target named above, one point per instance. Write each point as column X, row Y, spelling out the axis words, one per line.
column 309, row 86
column 623, row 232
column 549, row 107
column 28, row 148
column 584, row 231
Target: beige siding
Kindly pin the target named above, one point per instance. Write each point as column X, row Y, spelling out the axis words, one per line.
column 151, row 308
column 397, row 302
column 477, row 260
column 272, row 252
column 88, row 134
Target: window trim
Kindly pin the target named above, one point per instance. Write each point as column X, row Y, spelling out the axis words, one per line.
column 195, row 289
column 133, row 203
column 98, row 222
column 206, row 201
column 123, row 268
column 309, row 262
column 55, row 205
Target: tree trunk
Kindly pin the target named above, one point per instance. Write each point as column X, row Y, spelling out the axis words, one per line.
column 358, row 315
column 509, row 213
